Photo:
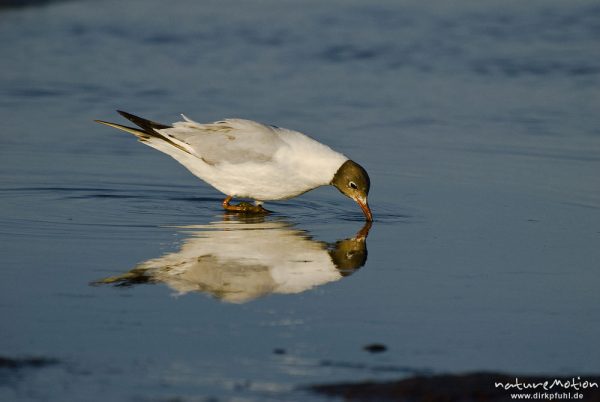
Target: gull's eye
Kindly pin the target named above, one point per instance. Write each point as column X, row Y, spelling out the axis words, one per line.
column 353, row 185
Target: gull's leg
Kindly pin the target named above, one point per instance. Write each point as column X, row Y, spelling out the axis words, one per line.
column 226, row 204
column 243, row 207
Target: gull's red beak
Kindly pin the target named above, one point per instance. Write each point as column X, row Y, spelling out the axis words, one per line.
column 365, row 207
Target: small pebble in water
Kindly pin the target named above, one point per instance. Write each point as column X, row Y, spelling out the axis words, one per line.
column 375, row 348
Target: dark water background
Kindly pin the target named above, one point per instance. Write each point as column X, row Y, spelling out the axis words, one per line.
column 478, row 122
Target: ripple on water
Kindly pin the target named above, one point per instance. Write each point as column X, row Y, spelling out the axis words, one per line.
column 92, row 212
column 327, row 211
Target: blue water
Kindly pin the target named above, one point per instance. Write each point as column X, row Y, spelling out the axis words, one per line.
column 478, row 124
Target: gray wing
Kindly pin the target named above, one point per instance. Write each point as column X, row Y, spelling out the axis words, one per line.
column 232, row 141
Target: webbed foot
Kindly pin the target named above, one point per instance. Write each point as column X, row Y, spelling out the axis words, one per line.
column 244, row 207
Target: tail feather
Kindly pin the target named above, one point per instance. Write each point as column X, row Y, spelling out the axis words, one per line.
column 147, row 132
column 142, row 135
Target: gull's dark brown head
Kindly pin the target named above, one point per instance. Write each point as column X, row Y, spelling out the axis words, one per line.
column 353, row 181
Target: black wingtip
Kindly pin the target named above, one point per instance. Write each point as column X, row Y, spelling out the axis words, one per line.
column 147, row 125
column 125, row 114
column 133, row 118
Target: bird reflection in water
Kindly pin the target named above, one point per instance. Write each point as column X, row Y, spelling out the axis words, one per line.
column 237, row 260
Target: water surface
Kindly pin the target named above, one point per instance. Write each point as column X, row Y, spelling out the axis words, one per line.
column 477, row 123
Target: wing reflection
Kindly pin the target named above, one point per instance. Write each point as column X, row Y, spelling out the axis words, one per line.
column 239, row 260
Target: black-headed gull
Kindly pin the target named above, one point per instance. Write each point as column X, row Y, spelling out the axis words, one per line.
column 246, row 159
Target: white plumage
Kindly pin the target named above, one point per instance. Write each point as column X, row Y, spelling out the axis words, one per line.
column 246, row 159
column 243, row 158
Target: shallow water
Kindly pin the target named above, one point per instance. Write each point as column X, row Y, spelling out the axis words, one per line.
column 477, row 123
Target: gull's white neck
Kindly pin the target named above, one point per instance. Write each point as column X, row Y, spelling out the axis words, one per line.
column 314, row 164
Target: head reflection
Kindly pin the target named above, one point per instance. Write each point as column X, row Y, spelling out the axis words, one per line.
column 237, row 260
